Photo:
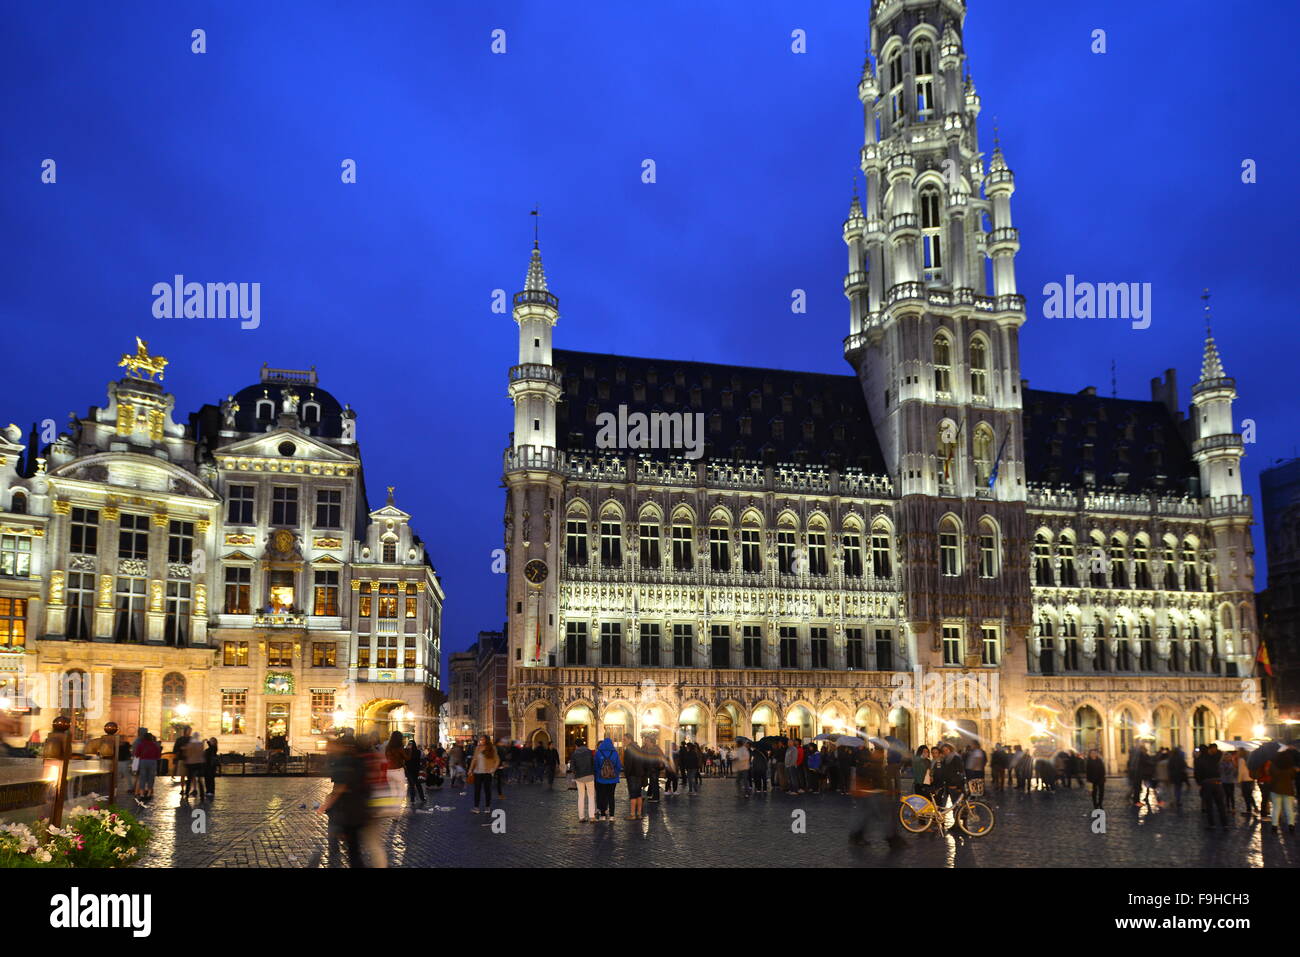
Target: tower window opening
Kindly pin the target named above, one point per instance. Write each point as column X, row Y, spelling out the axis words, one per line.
column 931, row 235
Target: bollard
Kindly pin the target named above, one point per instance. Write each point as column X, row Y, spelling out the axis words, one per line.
column 59, row 732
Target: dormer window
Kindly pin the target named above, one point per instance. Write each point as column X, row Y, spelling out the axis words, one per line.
column 265, row 410
column 390, row 551
column 311, row 413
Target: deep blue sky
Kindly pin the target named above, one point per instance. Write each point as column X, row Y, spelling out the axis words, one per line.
column 225, row 166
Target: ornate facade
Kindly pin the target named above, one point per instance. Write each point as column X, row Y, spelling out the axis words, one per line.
column 925, row 548
column 226, row 573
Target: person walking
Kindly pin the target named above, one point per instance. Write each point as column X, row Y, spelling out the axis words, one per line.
column 879, row 816
column 550, row 761
column 147, row 754
column 1282, row 786
column 1228, row 775
column 583, row 765
column 739, row 763
column 691, row 767
column 976, row 760
column 1177, row 774
column 634, row 771
column 210, row 766
column 1246, row 784
column 413, row 766
column 510, row 757
column 1207, row 769
column 655, row 761
column 485, row 765
column 758, row 770
column 1095, row 772
column 347, row 806
column 395, row 763
column 608, row 769
column 194, row 768
column 456, row 765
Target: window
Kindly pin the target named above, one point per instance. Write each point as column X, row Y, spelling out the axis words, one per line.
column 852, row 555
column 881, row 565
column 81, row 604
column 1195, row 654
column 238, row 590
column 895, row 71
column 408, row 652
column 129, row 618
column 84, row 539
column 720, row 549
column 720, row 646
column 983, row 457
column 1141, row 569
column 284, row 505
column 15, row 555
column 389, row 549
column 1042, row 560
column 988, row 552
column 412, row 601
column 788, row 647
column 1096, row 562
column 819, row 646
column 176, row 624
column 239, row 505
column 234, row 654
column 324, row 654
column 683, row 646
column 682, row 551
column 650, row 545
column 611, row 644
column 280, row 591
column 923, row 74
column 363, row 651
column 365, row 600
column 1118, row 567
column 388, row 600
column 979, row 369
column 948, row 549
column 817, row 553
column 575, row 541
column 234, row 712
column 942, row 365
column 932, row 245
column 1191, row 581
column 785, row 552
column 884, row 650
column 1146, row 648
column 855, row 649
column 650, row 639
column 325, row 598
column 989, row 646
column 13, row 622
column 1171, row 569
column 180, row 542
column 279, row 654
column 1069, row 573
column 575, row 643
column 329, row 508
column 133, row 536
column 751, row 556
column 1123, row 660
column 322, row 710
column 611, row 544
column 751, row 639
column 1069, row 644
column 952, row 653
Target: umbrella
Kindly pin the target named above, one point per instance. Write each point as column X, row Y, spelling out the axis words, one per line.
column 1264, row 753
column 824, row 737
column 848, row 741
column 1238, row 745
column 771, row 741
column 741, row 740
column 896, row 745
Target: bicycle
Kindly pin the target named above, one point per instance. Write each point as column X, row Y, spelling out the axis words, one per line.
column 918, row 813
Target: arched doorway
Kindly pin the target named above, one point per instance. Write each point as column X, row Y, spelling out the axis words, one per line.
column 381, row 717
column 1087, row 729
column 74, row 697
column 834, row 719
column 867, row 722
column 1166, row 728
column 900, row 727
column 799, row 723
column 577, row 729
column 1239, row 725
column 725, row 722
column 654, row 721
column 1126, row 729
column 1205, row 727
column 540, row 738
column 688, row 723
column 617, row 723
column 174, row 708
column 762, row 723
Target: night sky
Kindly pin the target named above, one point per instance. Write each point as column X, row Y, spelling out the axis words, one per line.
column 225, row 166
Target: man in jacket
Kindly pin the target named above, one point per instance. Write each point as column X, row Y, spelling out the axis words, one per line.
column 608, row 768
column 1095, row 772
column 583, row 765
column 1207, row 771
column 655, row 760
column 793, row 754
column 1178, row 774
column 550, row 761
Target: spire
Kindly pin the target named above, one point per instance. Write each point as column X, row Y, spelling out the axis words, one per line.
column 1211, row 364
column 536, row 280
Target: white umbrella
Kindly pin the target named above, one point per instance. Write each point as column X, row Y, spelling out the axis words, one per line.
column 824, row 737
column 848, row 741
column 1237, row 745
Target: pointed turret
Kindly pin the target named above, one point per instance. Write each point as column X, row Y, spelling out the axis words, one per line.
column 1218, row 447
column 534, row 382
column 535, row 281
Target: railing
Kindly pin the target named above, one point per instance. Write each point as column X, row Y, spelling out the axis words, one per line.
column 1228, row 505
column 1209, row 385
column 999, row 176
column 536, row 297
column 1004, row 235
column 899, row 161
column 533, row 457
column 903, row 222
column 704, row 676
column 1129, row 503
column 855, row 279
column 1217, row 442
column 536, row 370
column 280, row 619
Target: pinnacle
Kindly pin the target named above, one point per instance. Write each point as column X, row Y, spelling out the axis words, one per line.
column 1211, row 364
column 536, row 279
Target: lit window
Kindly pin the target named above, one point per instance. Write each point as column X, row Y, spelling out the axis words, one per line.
column 952, row 654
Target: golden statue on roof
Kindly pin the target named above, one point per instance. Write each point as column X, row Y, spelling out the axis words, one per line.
column 142, row 365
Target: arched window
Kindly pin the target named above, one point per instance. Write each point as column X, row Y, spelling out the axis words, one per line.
column 852, row 549
column 1065, row 551
column 1171, row 569
column 1042, row 561
column 751, row 550
column 174, row 709
column 1191, row 580
column 943, row 365
column 265, row 410
column 931, row 234
column 1087, row 729
column 949, row 548
column 719, row 542
column 894, row 75
column 1123, row 658
column 923, row 76
column 649, row 532
column 1195, row 654
column 979, row 369
column 946, row 449
column 785, row 542
column 1118, row 564
column 817, row 563
column 390, row 551
column 1205, row 727
column 1046, row 646
column 1146, row 647
column 1141, row 568
column 1175, row 648
column 1126, row 725
column 683, row 541
column 1097, row 560
column 881, row 550
column 18, row 502
column 1165, row 728
column 1069, row 643
column 575, row 539
column 983, row 455
column 988, row 548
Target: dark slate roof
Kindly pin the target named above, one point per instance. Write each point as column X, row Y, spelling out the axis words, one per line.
column 1107, row 436
column 1067, row 435
column 831, row 407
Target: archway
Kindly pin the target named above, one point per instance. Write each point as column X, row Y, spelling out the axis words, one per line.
column 834, row 719
column 799, row 723
column 1205, row 727
column 540, row 738
column 617, row 722
column 725, row 725
column 1165, row 728
column 1087, row 729
column 578, row 723
column 654, row 724
column 379, row 716
column 1239, row 724
column 690, row 723
column 763, row 722
column 867, row 722
column 1126, row 731
column 900, row 727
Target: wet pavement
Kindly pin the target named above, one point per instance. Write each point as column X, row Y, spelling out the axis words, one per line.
column 271, row 822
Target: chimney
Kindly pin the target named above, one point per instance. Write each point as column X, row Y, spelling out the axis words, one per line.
column 1166, row 392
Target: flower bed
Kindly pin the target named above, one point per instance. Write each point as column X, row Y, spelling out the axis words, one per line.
column 94, row 836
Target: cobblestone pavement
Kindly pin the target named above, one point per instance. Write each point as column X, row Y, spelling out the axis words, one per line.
column 271, row 822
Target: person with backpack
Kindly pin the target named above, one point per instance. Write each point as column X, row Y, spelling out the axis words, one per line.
column 608, row 769
column 813, row 764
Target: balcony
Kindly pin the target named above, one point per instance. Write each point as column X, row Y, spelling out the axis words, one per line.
column 854, row 281
column 533, row 457
column 280, row 619
column 999, row 177
column 1005, row 238
column 536, row 297
column 536, row 371
column 1211, row 442
column 904, row 225
column 900, row 163
column 1228, row 505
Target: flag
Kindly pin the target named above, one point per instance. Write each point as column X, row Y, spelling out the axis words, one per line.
column 538, row 653
column 993, row 476
column 952, row 450
column 1261, row 658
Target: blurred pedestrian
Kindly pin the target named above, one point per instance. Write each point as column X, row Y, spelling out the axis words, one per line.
column 210, row 766
column 482, row 769
column 413, row 766
column 1095, row 772
column 347, row 805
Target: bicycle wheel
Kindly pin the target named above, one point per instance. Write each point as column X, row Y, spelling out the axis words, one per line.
column 916, row 820
column 976, row 818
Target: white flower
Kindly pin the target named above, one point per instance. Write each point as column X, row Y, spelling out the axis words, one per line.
column 43, row 856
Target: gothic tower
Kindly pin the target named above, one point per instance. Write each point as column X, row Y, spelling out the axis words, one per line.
column 533, row 479
column 934, row 328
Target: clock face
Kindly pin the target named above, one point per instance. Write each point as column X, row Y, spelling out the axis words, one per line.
column 536, row 571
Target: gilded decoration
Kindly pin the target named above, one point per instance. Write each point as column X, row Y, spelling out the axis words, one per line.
column 141, row 365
